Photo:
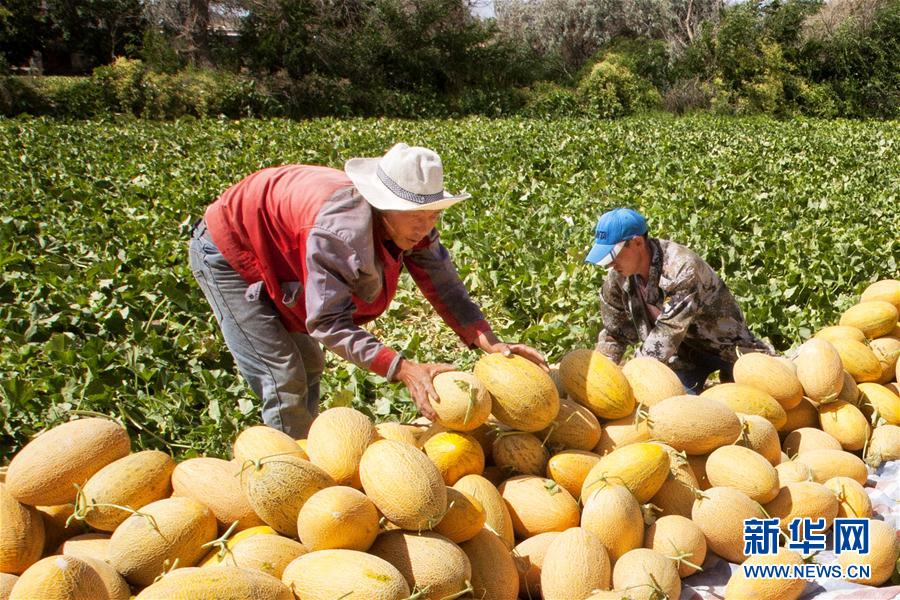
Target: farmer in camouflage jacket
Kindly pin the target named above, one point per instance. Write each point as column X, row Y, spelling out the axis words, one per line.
column 664, row 296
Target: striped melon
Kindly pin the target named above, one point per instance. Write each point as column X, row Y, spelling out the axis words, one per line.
column 428, row 561
column 792, row 472
column 47, row 469
column 845, row 423
column 140, row 552
column 217, row 484
column 740, row 586
column 770, row 375
column 463, row 403
column 59, row 578
column 720, row 514
column 887, row 350
column 524, row 396
column 640, row 467
column 886, row 290
column 758, row 434
column 884, row 549
column 859, row 360
column 744, row 470
column 694, row 424
column 520, row 453
column 677, row 493
column 646, row 575
column 494, row 573
column 464, row 518
column 575, row 427
column 331, row 574
column 404, row 484
column 575, row 564
column 874, row 318
column 496, row 513
column 22, row 534
column 806, row 499
column 596, row 382
column 613, row 515
column 884, row 445
column 883, row 401
column 679, row 539
column 569, row 469
column 455, row 455
column 841, row 331
column 336, row 441
column 809, row 438
column 623, row 431
column 224, row 583
column 261, row 441
column 749, row 401
column 279, row 486
column 826, row 463
column 820, row 370
column 538, row 505
column 853, row 501
column 804, row 414
column 337, row 517
column 132, row 481
column 651, row 381
column 529, row 556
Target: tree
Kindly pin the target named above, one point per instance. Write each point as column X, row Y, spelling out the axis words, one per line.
column 98, row 29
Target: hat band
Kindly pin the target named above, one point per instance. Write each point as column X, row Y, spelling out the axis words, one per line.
column 405, row 194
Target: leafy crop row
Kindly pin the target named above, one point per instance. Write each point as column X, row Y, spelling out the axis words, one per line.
column 99, row 312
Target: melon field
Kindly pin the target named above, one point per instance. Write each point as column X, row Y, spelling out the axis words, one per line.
column 133, row 464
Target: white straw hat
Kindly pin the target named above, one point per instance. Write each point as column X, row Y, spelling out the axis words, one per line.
column 406, row 178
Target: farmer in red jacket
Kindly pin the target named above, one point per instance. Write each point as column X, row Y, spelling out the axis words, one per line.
column 299, row 256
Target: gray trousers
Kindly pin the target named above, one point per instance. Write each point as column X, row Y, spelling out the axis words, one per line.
column 282, row 368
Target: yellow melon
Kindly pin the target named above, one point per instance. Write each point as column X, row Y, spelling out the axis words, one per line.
column 538, row 505
column 613, row 514
column 575, row 427
column 623, row 431
column 881, row 400
column 849, row 391
column 770, row 375
column 743, row 469
column 554, row 375
column 223, row 583
column 758, row 434
column 261, row 441
column 809, row 438
column 651, row 381
column 7, row 581
column 464, row 518
column 116, row 586
column 596, row 382
column 218, row 554
column 569, row 469
column 463, row 402
column 697, row 462
column 575, row 564
column 331, row 574
column 859, row 360
column 92, row 545
column 132, row 481
column 529, row 556
column 886, row 290
column 806, row 499
column 874, row 318
column 884, row 445
column 646, row 575
column 720, row 514
column 640, row 467
column 820, row 370
column 884, row 549
column 886, row 350
column 804, row 414
column 845, row 423
column 496, row 513
column 748, row 400
column 169, row 529
column 520, row 453
column 677, row 493
column 740, row 586
column 455, row 455
column 853, row 501
column 55, row 529
column 792, row 472
column 524, row 396
column 59, row 578
column 428, row 561
column 404, row 484
column 337, row 517
column 694, row 424
column 46, row 471
column 277, row 487
column 834, row 332
column 21, row 536
column 336, row 442
column 494, row 573
column 399, row 432
column 826, row 463
column 679, row 539
column 217, row 484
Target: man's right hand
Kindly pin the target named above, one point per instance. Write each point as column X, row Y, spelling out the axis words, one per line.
column 417, row 378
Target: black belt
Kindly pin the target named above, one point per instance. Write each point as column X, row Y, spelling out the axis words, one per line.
column 199, row 229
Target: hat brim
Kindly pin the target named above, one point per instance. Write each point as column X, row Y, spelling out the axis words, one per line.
column 600, row 254
column 362, row 172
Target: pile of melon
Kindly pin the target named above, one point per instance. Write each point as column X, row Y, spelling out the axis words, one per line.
column 593, row 481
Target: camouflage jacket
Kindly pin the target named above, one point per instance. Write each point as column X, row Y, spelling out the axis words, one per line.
column 696, row 311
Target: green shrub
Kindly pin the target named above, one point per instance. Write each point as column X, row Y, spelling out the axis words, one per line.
column 123, row 85
column 546, row 99
column 611, row 89
column 689, row 95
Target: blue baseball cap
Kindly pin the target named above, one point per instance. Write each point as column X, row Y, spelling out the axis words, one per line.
column 614, row 227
